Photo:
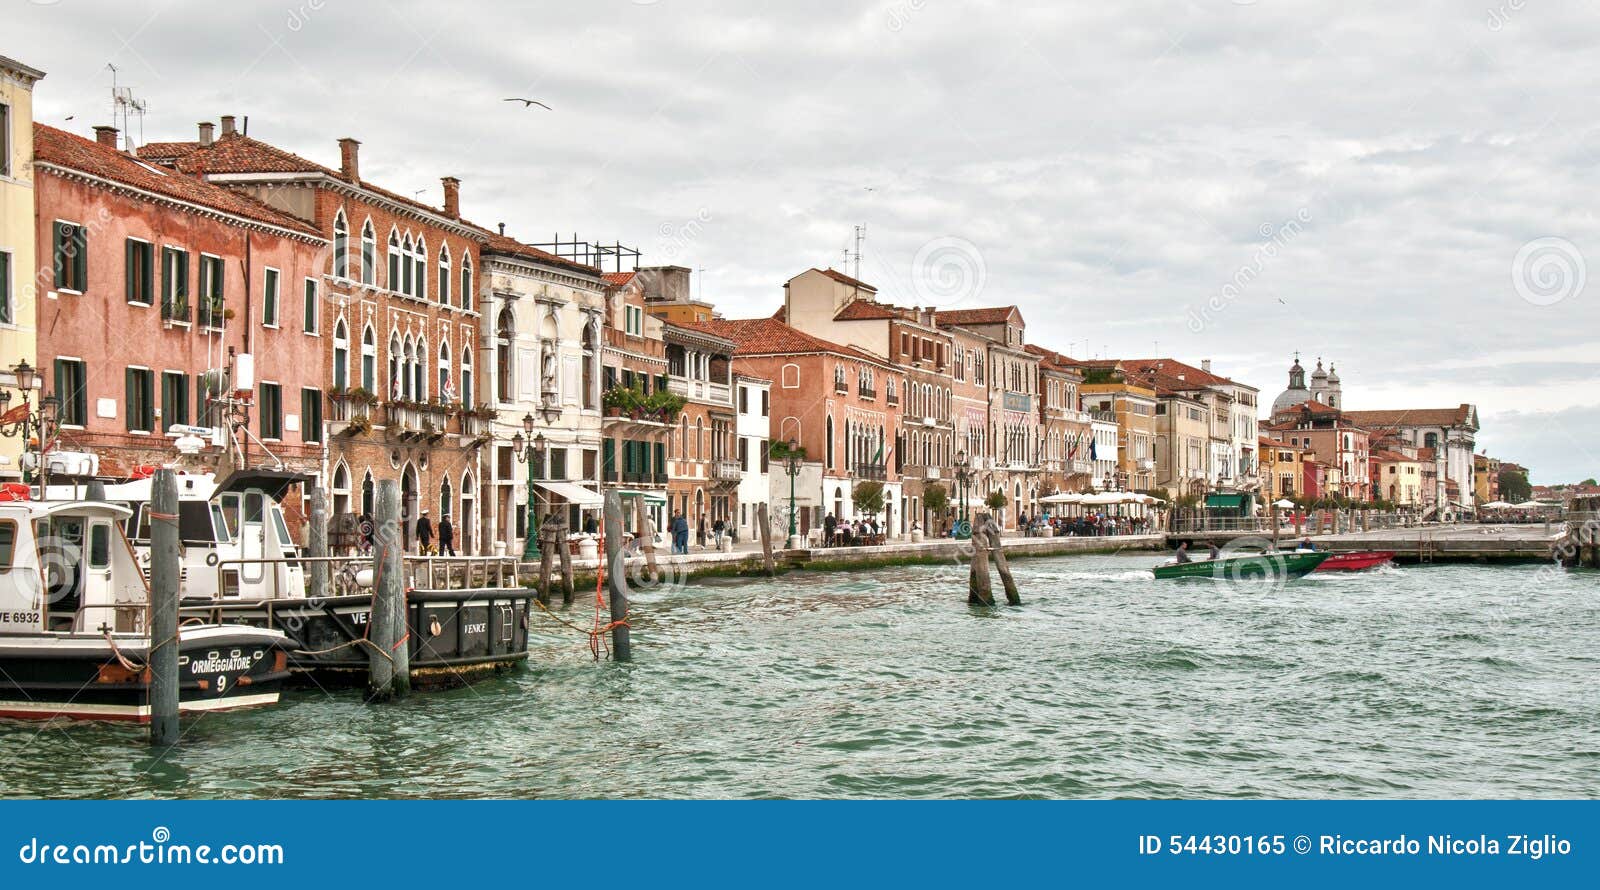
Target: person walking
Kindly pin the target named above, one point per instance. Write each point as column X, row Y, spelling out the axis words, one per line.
column 680, row 533
column 829, row 525
column 447, row 536
column 700, row 531
column 717, row 528
column 424, row 532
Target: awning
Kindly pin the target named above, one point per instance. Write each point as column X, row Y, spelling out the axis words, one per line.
column 1224, row 500
column 650, row 497
column 573, row 494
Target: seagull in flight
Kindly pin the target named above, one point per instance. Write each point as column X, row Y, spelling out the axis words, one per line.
column 529, row 103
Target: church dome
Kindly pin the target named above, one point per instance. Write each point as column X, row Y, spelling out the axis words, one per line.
column 1297, row 392
column 1333, row 376
column 1319, row 374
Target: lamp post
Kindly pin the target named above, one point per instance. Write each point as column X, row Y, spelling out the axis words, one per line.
column 963, row 529
column 792, row 456
column 531, row 452
column 28, row 421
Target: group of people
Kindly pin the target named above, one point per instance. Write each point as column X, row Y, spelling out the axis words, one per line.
column 847, row 533
column 425, row 534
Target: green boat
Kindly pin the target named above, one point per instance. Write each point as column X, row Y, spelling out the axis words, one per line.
column 1280, row 566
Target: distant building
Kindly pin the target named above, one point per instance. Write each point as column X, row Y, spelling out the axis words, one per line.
column 19, row 282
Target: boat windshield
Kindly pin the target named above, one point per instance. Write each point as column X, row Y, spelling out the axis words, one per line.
column 282, row 529
column 227, row 517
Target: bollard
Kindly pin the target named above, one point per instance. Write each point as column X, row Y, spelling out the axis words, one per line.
column 164, row 569
column 317, row 542
column 979, row 591
column 765, row 523
column 388, row 657
column 993, row 533
column 545, row 558
column 1272, row 517
column 621, row 646
column 564, row 552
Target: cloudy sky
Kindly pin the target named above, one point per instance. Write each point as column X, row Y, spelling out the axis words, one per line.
column 1401, row 188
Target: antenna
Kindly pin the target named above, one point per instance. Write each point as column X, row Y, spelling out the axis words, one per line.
column 861, row 235
column 126, row 106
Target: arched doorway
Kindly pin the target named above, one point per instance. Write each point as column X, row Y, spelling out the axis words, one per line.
column 408, row 503
column 464, row 525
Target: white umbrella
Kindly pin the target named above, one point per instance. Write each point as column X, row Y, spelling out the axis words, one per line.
column 1530, row 505
column 1103, row 498
column 1283, row 504
column 1497, row 505
column 1064, row 498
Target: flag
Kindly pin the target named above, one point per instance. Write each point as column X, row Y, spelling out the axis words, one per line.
column 1093, row 452
column 16, row 414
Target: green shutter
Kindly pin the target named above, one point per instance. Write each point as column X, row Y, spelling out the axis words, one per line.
column 80, row 258
column 608, row 460
column 127, row 408
column 661, row 459
column 127, row 270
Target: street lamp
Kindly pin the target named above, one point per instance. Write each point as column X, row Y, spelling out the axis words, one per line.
column 531, row 452
column 963, row 529
column 792, row 456
column 28, row 423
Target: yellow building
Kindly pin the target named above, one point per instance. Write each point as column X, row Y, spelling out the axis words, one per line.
column 1485, row 478
column 1109, row 393
column 18, row 259
column 1397, row 477
column 1282, row 469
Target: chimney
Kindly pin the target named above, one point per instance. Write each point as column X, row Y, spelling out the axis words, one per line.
column 502, row 228
column 106, row 136
column 1205, row 365
column 227, row 125
column 205, row 133
column 452, row 197
column 349, row 159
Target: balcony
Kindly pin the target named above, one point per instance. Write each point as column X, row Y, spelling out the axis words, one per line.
column 892, row 399
column 867, row 392
column 1145, row 463
column 725, row 470
column 876, row 472
column 719, row 393
column 840, row 387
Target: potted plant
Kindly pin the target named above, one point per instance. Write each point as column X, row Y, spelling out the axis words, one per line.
column 621, row 400
column 664, row 404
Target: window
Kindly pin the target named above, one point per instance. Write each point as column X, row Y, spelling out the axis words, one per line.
column 341, row 356
column 310, row 415
column 71, row 252
column 174, row 399
column 446, row 394
column 341, row 246
column 396, row 373
column 174, row 284
column 766, row 402
column 140, row 405
column 5, row 162
column 369, row 254
column 213, row 301
column 744, row 400
column 72, row 387
column 744, row 454
column 467, row 394
column 393, row 281
column 270, row 405
column 6, row 314
column 139, row 273
column 369, row 360
column 444, row 275
column 633, row 320
column 309, row 320
column 419, row 262
column 466, row 281
column 269, row 298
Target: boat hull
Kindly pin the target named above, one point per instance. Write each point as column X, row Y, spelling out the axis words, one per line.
column 1356, row 561
column 454, row 637
column 82, row 677
column 1253, row 567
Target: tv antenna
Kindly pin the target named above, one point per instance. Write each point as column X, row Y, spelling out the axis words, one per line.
column 125, row 106
column 854, row 257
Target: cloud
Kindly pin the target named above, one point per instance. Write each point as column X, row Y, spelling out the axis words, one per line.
column 1115, row 164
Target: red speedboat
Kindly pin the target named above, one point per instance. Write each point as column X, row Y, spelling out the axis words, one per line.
column 1356, row 561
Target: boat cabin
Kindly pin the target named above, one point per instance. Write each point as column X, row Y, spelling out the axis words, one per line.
column 69, row 569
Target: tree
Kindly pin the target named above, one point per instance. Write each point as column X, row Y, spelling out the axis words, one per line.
column 868, row 497
column 935, row 498
column 996, row 500
column 1589, row 481
column 1514, row 486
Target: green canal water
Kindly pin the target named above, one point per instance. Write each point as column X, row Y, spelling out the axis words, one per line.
column 1441, row 681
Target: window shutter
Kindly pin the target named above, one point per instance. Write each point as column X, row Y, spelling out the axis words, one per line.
column 129, row 288
column 127, row 407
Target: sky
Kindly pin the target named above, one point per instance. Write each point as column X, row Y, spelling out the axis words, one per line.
column 1401, row 189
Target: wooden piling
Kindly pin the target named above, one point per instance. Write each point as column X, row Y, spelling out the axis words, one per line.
column 765, row 523
column 317, row 540
column 1272, row 517
column 645, row 534
column 979, row 591
column 164, row 569
column 616, row 579
column 564, row 554
column 545, row 558
column 1004, row 568
column 388, row 656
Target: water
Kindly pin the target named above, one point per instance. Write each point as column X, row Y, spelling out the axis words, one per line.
column 1439, row 681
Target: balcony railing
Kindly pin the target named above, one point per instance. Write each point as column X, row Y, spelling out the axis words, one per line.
column 840, row 387
column 891, row 399
column 878, row 472
column 347, row 408
column 867, row 392
column 725, row 470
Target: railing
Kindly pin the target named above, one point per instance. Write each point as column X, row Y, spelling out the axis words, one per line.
column 891, row 399
column 346, row 409
column 840, row 387
column 725, row 470
column 867, row 392
column 878, row 472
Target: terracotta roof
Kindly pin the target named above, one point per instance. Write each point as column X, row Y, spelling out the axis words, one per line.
column 1461, row 414
column 618, row 279
column 1390, row 456
column 1049, row 358
column 63, row 149
column 987, row 315
column 1176, row 368
column 498, row 243
column 768, row 336
column 842, row 278
column 864, row 310
column 782, row 314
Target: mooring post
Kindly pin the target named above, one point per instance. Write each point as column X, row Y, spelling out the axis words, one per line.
column 1003, row 567
column 979, row 591
column 317, row 539
column 616, row 583
column 564, row 551
column 765, row 523
column 388, row 658
column 164, row 569
column 1272, row 517
column 545, row 558
column 645, row 534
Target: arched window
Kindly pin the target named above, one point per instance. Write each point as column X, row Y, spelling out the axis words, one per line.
column 369, row 254
column 341, row 246
column 419, row 261
column 396, row 370
column 829, row 462
column 699, row 438
column 468, row 395
column 591, row 352
column 341, row 490
column 446, row 393
column 444, row 274
column 464, row 527
column 394, row 281
column 369, row 360
column 505, row 331
column 367, row 505
column 444, row 498
column 341, row 355
column 419, row 370
column 466, row 280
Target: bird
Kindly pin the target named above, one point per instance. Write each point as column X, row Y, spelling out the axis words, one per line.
column 527, row 103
